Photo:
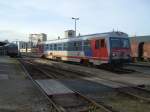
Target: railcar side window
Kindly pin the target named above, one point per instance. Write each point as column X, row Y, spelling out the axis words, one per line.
column 59, row 47
column 70, row 46
column 47, row 47
column 77, row 46
column 97, row 44
column 86, row 45
column 51, row 47
column 103, row 45
column 55, row 46
column 65, row 46
column 74, row 47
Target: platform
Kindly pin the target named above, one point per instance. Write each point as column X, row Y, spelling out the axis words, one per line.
column 17, row 92
column 10, row 69
column 86, row 86
column 53, row 87
column 68, row 86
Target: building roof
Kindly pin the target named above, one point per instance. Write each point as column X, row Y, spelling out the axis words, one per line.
column 2, row 43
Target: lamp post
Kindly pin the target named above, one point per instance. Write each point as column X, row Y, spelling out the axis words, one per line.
column 75, row 19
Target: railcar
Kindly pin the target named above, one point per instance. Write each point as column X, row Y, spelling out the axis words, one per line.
column 100, row 48
column 12, row 50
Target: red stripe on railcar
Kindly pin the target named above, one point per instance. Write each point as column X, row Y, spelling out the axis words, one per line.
column 120, row 49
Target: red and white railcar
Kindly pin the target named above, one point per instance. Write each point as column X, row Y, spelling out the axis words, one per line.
column 110, row 47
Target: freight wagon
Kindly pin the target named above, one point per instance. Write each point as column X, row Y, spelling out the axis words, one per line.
column 140, row 48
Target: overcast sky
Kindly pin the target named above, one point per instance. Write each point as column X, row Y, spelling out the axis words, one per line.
column 18, row 18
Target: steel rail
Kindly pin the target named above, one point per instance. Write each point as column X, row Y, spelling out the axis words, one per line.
column 53, row 106
column 93, row 106
column 124, row 83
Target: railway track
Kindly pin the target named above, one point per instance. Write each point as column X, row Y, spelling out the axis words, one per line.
column 131, row 90
column 116, row 69
column 134, row 92
column 146, row 65
column 139, row 68
column 81, row 103
column 110, row 68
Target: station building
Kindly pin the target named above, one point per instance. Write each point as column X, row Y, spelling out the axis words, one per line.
column 36, row 39
column 30, row 47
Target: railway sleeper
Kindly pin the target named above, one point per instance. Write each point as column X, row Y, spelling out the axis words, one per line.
column 75, row 102
column 143, row 87
column 109, row 108
column 132, row 95
column 87, row 106
column 138, row 90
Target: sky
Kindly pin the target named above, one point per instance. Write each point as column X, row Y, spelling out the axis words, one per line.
column 19, row 18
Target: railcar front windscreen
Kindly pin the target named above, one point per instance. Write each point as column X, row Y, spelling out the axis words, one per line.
column 119, row 42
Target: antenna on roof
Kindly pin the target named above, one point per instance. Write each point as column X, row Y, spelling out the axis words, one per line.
column 113, row 30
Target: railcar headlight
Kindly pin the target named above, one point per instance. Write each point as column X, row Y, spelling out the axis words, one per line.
column 129, row 55
column 114, row 54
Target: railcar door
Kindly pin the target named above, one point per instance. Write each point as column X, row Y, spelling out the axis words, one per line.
column 87, row 48
column 140, row 50
column 99, row 49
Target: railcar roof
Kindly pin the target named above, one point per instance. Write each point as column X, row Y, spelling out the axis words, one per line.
column 88, row 37
column 106, row 34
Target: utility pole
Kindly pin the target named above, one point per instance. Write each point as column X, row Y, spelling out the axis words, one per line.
column 75, row 19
